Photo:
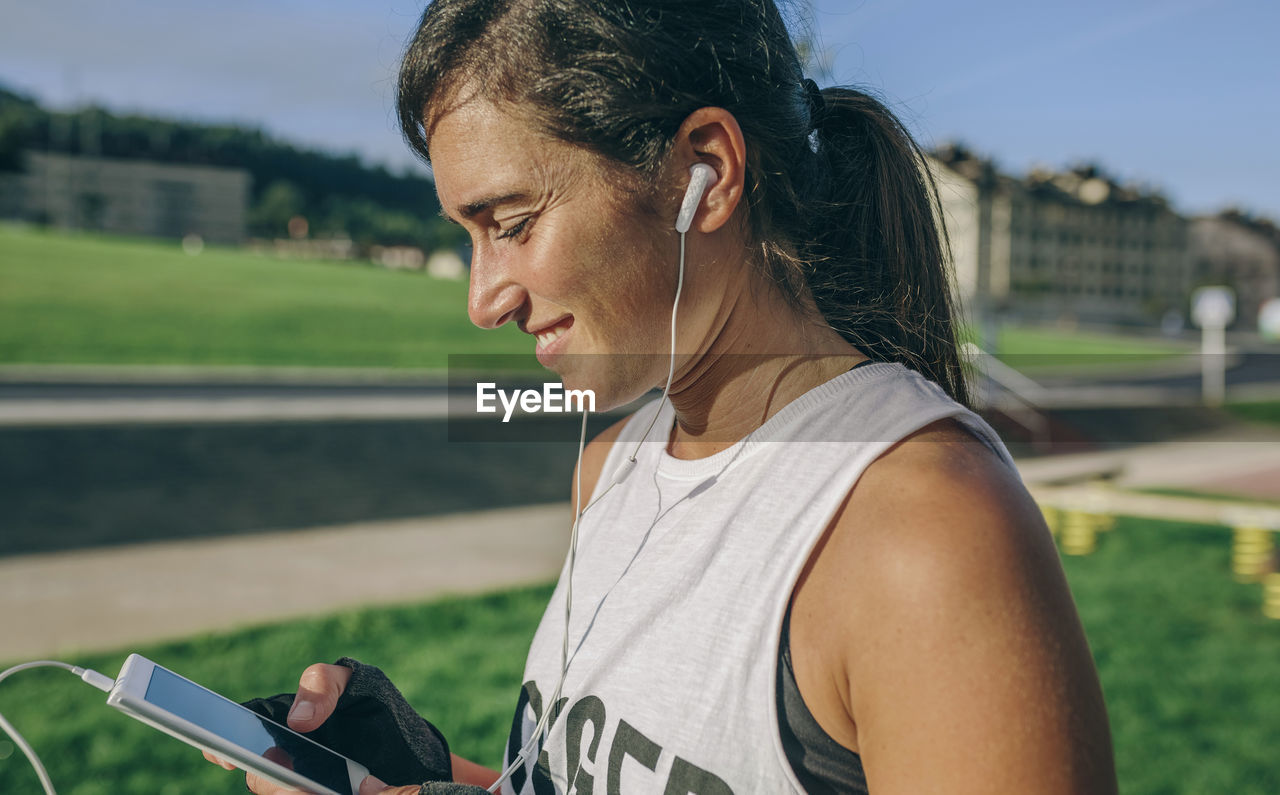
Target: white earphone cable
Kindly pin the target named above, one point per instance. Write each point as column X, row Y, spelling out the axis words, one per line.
column 671, row 365
column 549, row 705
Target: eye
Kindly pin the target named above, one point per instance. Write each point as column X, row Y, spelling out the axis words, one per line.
column 515, row 230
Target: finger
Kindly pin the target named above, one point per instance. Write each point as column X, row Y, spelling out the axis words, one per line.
column 279, row 756
column 318, row 692
column 260, row 786
column 217, row 761
column 372, row 785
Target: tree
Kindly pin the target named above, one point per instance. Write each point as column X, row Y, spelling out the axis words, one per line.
column 269, row 216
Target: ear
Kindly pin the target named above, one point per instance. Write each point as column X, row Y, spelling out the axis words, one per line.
column 712, row 136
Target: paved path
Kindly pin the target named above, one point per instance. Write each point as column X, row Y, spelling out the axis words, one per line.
column 111, row 598
column 1104, row 500
column 1238, row 460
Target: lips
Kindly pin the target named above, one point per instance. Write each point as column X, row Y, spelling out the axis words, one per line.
column 551, row 338
column 551, row 334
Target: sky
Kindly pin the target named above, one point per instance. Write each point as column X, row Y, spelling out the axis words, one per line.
column 1180, row 95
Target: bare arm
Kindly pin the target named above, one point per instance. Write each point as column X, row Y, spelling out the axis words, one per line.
column 957, row 662
column 467, row 772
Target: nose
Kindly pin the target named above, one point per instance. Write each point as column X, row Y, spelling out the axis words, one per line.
column 493, row 297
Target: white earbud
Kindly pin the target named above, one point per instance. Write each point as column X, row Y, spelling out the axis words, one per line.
column 701, row 176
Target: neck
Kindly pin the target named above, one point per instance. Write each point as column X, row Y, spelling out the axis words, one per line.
column 760, row 355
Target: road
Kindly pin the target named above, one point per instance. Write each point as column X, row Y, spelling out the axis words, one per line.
column 1113, row 382
column 39, row 396
column 44, row 397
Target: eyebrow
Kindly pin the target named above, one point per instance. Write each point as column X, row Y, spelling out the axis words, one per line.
column 472, row 209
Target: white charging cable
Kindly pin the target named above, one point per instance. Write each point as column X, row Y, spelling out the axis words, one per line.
column 86, row 675
column 620, row 475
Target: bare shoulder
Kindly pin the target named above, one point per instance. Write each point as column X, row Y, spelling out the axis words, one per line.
column 942, row 490
column 956, row 653
column 593, row 458
column 935, row 509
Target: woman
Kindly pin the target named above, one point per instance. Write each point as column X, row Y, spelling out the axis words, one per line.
column 810, row 567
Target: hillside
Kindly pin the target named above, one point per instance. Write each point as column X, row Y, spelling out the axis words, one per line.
column 337, row 193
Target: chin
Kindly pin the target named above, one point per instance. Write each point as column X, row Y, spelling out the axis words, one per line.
column 612, row 387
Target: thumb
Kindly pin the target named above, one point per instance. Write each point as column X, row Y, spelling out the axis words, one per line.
column 318, row 692
column 372, row 785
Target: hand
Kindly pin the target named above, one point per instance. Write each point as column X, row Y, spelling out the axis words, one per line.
column 318, row 692
column 317, row 696
column 370, row 786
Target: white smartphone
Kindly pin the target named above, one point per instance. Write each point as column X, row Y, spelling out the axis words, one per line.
column 198, row 716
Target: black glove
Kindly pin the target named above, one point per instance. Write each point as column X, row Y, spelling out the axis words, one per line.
column 373, row 725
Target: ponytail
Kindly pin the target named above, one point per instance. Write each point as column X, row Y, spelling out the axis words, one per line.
column 876, row 263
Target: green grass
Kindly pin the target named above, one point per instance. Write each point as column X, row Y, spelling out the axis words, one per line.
column 1032, row 349
column 88, row 299
column 1267, row 412
column 1189, row 665
column 1190, row 668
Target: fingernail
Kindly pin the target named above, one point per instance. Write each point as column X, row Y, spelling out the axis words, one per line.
column 302, row 710
column 372, row 785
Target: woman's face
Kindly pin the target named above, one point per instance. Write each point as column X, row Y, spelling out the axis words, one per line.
column 560, row 251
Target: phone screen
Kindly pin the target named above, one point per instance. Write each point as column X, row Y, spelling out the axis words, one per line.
column 248, row 730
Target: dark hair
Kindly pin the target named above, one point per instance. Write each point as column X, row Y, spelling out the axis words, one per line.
column 839, row 199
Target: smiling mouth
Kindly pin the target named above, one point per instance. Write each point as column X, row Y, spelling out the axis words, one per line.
column 552, row 333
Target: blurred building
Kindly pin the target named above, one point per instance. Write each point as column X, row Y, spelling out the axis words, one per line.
column 131, row 197
column 400, row 258
column 1071, row 245
column 1242, row 253
column 958, row 198
column 446, row 264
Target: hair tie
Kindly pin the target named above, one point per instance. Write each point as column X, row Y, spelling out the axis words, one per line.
column 817, row 105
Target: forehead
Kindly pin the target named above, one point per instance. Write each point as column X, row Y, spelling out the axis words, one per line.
column 479, row 150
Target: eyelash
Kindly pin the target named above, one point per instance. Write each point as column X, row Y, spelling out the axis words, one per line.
column 515, row 230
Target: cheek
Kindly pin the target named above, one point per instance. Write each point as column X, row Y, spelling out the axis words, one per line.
column 562, row 262
column 643, row 269
column 609, row 275
column 641, row 287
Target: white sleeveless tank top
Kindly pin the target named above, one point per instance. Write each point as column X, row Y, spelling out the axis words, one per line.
column 683, row 577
